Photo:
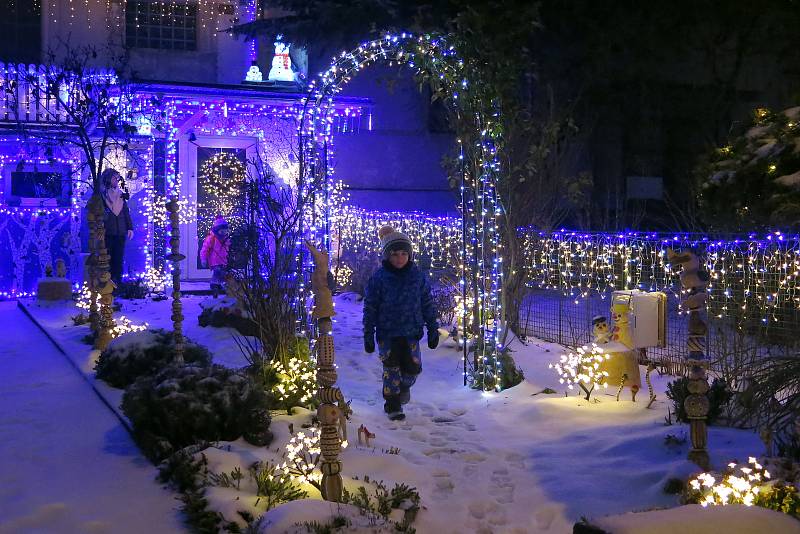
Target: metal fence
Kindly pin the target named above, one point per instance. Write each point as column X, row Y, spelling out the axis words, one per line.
column 753, row 305
column 754, row 292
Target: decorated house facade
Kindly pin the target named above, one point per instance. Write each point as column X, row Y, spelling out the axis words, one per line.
column 202, row 136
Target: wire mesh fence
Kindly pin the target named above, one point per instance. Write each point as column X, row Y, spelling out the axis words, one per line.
column 753, row 293
column 753, row 304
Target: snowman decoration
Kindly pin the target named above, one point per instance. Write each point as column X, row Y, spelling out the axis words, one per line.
column 281, row 70
column 253, row 73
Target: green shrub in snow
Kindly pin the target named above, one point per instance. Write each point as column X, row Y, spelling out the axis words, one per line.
column 145, row 353
column 184, row 405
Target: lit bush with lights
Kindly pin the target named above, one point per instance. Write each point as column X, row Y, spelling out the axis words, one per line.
column 144, row 353
column 750, row 484
column 295, row 382
column 582, row 368
column 302, row 457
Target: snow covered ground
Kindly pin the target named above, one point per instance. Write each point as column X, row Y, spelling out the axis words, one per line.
column 66, row 463
column 519, row 461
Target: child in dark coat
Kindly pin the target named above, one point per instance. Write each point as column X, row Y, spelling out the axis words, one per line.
column 397, row 305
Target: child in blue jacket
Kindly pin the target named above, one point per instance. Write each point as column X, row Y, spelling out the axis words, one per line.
column 397, row 305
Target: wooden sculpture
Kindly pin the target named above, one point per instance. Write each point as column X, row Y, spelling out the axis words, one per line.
column 650, row 368
column 694, row 283
column 333, row 410
column 100, row 283
column 176, row 257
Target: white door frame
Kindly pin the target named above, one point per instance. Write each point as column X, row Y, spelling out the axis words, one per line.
column 187, row 165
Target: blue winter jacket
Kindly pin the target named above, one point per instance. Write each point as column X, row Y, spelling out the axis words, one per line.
column 398, row 303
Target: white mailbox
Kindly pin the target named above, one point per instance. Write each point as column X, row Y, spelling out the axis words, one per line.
column 647, row 316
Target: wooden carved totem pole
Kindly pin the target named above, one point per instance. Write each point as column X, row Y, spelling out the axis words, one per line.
column 694, row 283
column 333, row 410
column 176, row 257
column 100, row 284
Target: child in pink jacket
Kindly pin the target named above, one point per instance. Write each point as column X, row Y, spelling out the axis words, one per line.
column 214, row 254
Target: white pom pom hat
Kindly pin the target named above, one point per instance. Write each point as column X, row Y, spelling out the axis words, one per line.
column 392, row 239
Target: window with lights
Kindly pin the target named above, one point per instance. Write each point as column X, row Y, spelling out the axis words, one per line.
column 163, row 25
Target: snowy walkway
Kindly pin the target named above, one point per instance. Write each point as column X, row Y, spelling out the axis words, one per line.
column 66, row 463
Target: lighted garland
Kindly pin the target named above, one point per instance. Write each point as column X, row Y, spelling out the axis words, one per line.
column 212, row 170
column 479, row 262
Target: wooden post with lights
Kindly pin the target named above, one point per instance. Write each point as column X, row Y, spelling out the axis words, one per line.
column 176, row 257
column 333, row 410
column 694, row 283
column 100, row 283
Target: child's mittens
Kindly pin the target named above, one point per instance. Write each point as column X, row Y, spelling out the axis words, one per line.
column 433, row 338
column 369, row 344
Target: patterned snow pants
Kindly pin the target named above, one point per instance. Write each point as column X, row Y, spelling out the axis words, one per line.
column 218, row 274
column 402, row 363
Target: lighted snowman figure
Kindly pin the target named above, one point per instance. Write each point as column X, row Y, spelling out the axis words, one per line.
column 281, row 70
column 253, row 74
column 600, row 329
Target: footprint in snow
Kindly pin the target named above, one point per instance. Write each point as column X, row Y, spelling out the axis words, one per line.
column 501, row 487
column 515, row 460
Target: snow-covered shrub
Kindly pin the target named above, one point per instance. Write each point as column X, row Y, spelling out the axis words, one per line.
column 754, row 181
column 188, row 472
column 718, row 396
column 485, row 376
column 183, row 405
column 380, row 502
column 582, row 368
column 144, row 353
column 750, row 484
column 275, row 487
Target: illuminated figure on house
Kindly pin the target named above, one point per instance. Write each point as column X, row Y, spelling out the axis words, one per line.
column 281, row 70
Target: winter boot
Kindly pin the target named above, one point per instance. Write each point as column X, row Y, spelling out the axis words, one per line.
column 393, row 408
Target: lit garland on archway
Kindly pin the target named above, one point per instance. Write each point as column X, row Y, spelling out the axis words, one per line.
column 432, row 58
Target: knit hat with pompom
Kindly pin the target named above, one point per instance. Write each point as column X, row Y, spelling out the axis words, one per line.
column 391, row 240
column 219, row 222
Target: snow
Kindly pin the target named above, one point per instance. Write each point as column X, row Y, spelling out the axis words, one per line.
column 694, row 519
column 789, row 180
column 68, row 465
column 519, row 461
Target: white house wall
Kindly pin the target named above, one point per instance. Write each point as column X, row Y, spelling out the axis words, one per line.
column 219, row 58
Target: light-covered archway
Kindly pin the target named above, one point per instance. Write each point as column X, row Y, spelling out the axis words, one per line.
column 436, row 62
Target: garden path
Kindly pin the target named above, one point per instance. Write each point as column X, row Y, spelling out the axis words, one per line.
column 68, row 464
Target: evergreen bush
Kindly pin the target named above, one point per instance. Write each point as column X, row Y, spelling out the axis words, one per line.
column 132, row 288
column 183, row 405
column 145, row 353
column 718, row 397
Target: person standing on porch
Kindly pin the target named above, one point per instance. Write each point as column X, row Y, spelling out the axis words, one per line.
column 118, row 224
column 214, row 253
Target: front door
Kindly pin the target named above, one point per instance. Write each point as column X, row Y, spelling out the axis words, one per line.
column 216, row 179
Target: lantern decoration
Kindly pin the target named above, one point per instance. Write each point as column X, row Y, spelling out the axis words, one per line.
column 333, row 410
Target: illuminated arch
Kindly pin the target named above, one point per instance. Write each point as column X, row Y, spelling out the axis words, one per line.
column 481, row 271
